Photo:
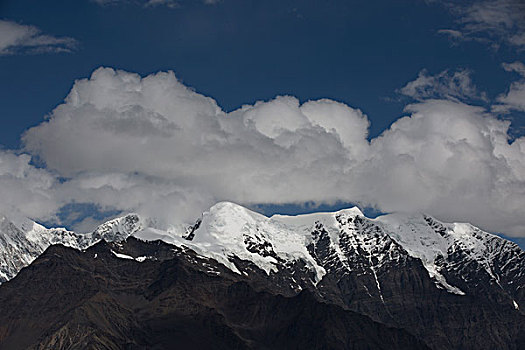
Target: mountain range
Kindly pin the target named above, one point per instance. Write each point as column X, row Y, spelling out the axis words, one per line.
column 237, row 279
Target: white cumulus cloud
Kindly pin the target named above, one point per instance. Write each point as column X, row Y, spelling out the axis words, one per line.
column 24, row 188
column 152, row 145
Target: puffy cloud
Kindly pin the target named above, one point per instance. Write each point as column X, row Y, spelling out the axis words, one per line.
column 155, row 146
column 514, row 99
column 457, row 86
column 117, row 122
column 24, row 188
column 451, row 160
column 24, row 39
column 489, row 21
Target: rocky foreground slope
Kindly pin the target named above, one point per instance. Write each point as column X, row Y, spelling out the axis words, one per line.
column 173, row 299
column 238, row 279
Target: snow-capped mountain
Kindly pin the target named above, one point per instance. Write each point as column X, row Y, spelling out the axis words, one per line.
column 347, row 239
column 341, row 240
column 23, row 240
column 449, row 284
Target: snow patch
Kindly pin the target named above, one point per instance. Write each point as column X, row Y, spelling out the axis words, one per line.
column 420, row 241
column 144, row 258
column 122, row 256
column 128, row 257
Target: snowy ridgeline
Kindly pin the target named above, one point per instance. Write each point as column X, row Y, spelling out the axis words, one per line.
column 228, row 230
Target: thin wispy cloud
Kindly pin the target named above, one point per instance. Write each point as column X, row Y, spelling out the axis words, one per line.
column 152, row 3
column 514, row 98
column 17, row 38
column 106, row 2
column 455, row 86
column 167, row 3
column 493, row 22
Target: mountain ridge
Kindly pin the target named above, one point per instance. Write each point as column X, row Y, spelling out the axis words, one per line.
column 235, row 218
column 448, row 285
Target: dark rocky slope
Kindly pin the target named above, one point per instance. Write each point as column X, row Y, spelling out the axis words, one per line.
column 394, row 288
column 68, row 299
column 321, row 280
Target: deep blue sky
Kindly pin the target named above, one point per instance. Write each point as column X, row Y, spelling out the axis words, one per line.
column 240, row 51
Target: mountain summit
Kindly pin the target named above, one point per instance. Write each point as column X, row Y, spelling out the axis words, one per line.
column 448, row 285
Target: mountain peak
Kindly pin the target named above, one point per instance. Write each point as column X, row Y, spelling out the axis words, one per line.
column 230, row 209
column 228, row 230
column 120, row 228
column 389, row 268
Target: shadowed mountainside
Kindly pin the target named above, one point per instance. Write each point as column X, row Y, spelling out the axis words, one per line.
column 68, row 299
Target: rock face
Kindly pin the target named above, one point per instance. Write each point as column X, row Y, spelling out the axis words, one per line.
column 163, row 297
column 376, row 276
column 237, row 279
column 23, row 240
